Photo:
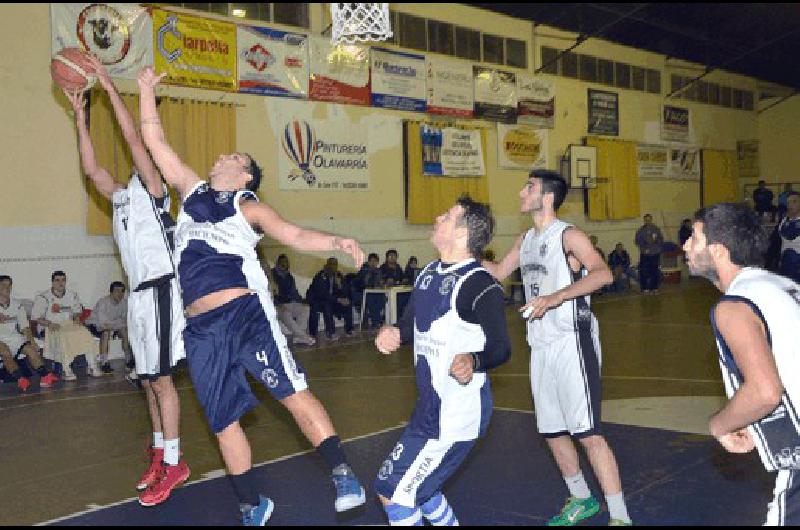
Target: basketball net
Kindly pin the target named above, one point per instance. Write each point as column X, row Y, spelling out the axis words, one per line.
column 360, row 23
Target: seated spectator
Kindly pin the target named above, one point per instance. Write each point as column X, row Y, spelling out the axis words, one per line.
column 783, row 200
column 292, row 312
column 599, row 250
column 762, row 199
column 412, row 271
column 789, row 232
column 16, row 339
column 57, row 312
column 110, row 319
column 328, row 295
column 391, row 272
column 685, row 232
column 369, row 277
column 619, row 261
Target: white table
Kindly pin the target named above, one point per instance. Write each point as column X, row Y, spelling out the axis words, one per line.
column 391, row 301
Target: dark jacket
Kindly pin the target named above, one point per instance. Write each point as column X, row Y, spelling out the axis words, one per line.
column 325, row 288
column 287, row 289
column 395, row 274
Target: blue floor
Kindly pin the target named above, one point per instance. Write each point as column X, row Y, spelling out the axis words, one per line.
column 669, row 478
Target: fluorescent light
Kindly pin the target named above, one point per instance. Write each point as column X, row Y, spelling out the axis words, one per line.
column 241, row 13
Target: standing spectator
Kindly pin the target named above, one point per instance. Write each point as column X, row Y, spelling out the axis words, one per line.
column 789, row 231
column 762, row 198
column 619, row 261
column 58, row 311
column 369, row 277
column 289, row 304
column 412, row 271
column 16, row 339
column 783, row 199
column 599, row 250
column 685, row 231
column 649, row 239
column 391, row 272
column 110, row 318
column 327, row 295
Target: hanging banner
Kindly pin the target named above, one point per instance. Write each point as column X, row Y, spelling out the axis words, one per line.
column 747, row 159
column 450, row 90
column 398, row 80
column 674, row 124
column 451, row 152
column 521, row 147
column 684, row 163
column 193, row 51
column 537, row 101
column 495, row 94
column 272, row 62
column 603, row 113
column 121, row 35
column 652, row 161
column 339, row 74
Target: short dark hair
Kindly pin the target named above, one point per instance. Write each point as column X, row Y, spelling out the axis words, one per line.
column 736, row 227
column 478, row 219
column 255, row 171
column 391, row 251
column 373, row 255
column 5, row 277
column 114, row 285
column 58, row 274
column 552, row 182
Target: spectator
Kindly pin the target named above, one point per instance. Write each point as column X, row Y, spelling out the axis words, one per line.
column 327, row 295
column 685, row 231
column 619, row 261
column 289, row 304
column 789, row 231
column 110, row 318
column 783, row 199
column 391, row 272
column 57, row 312
column 412, row 271
column 599, row 250
column 649, row 239
column 16, row 339
column 762, row 198
column 369, row 277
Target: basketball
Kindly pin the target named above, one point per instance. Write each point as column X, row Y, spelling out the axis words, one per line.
column 71, row 70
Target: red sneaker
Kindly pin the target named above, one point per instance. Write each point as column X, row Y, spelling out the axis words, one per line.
column 23, row 383
column 169, row 478
column 48, row 380
column 154, row 456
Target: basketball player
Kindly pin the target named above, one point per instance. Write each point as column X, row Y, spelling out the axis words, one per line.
column 755, row 324
column 560, row 269
column 143, row 230
column 232, row 326
column 456, row 319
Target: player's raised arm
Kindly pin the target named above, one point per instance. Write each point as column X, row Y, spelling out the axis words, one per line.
column 175, row 172
column 302, row 239
column 99, row 176
column 507, row 265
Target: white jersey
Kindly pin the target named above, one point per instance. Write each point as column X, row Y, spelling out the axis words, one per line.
column 446, row 410
column 545, row 269
column 143, row 232
column 776, row 301
column 50, row 307
column 15, row 318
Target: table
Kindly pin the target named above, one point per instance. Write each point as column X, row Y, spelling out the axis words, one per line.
column 391, row 302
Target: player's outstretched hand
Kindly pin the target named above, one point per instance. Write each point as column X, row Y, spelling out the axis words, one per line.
column 540, row 305
column 101, row 72
column 462, row 368
column 148, row 79
column 76, row 99
column 388, row 339
column 351, row 246
column 737, row 442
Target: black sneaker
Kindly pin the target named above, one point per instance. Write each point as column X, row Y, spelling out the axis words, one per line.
column 106, row 369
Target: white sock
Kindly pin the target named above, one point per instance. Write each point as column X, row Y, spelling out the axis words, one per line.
column 578, row 487
column 172, row 451
column 158, row 440
column 617, row 508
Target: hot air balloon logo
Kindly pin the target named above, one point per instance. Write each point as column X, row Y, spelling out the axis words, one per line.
column 300, row 144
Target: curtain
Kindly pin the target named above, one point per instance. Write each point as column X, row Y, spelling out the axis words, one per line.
column 199, row 131
column 430, row 196
column 720, row 177
column 617, row 193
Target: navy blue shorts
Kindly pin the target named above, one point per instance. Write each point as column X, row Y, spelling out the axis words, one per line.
column 227, row 341
column 418, row 467
column 784, row 510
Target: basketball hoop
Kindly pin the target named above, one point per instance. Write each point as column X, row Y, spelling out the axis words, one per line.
column 360, row 23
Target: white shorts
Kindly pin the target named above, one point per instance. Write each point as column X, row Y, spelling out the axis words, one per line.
column 14, row 341
column 155, row 329
column 565, row 382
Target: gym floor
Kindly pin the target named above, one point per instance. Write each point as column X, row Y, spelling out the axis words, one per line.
column 72, row 454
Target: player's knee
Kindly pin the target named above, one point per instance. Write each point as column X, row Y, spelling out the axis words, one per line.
column 161, row 385
column 593, row 442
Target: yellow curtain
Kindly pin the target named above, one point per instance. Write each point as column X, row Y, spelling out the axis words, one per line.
column 199, row 131
column 430, row 196
column 617, row 193
column 720, row 177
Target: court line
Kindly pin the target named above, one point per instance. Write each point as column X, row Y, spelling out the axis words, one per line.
column 211, row 475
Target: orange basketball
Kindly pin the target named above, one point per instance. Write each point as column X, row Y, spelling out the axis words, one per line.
column 71, row 70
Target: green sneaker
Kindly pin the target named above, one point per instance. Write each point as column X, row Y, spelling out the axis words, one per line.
column 575, row 510
column 619, row 522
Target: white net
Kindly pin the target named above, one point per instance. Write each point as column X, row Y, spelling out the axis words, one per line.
column 360, row 23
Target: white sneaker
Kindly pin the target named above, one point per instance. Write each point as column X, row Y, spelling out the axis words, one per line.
column 68, row 376
column 309, row 341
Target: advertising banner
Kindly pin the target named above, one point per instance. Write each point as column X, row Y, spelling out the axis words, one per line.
column 451, row 152
column 339, row 74
column 537, row 101
column 495, row 94
column 398, row 80
column 521, row 147
column 272, row 62
column 450, row 89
